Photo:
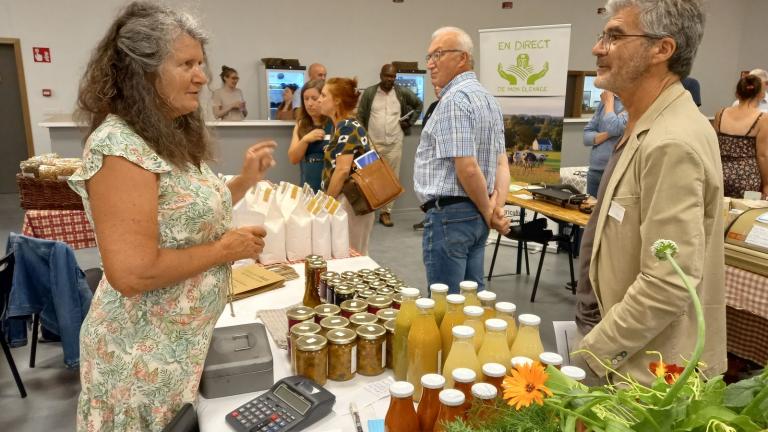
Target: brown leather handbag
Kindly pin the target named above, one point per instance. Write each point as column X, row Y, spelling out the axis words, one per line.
column 371, row 187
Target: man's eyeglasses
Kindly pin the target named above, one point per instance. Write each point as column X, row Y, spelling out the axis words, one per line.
column 435, row 56
column 606, row 39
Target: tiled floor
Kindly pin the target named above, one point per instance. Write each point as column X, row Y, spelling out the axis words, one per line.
column 52, row 389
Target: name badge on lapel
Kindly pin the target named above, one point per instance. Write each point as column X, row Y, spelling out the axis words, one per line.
column 616, row 211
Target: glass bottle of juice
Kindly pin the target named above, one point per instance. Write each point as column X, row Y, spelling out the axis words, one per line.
column 485, row 394
column 494, row 373
column 451, row 401
column 401, row 416
column 506, row 311
column 473, row 317
column 464, row 379
column 494, row 349
column 429, row 405
column 454, row 315
column 438, row 293
column 574, row 372
column 424, row 347
column 528, row 341
column 469, row 290
column 488, row 303
column 520, row 361
column 462, row 354
column 402, row 326
column 551, row 359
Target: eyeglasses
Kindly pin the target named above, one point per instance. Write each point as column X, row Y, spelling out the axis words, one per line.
column 435, row 56
column 606, row 39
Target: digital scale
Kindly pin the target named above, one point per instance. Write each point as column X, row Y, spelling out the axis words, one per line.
column 292, row 404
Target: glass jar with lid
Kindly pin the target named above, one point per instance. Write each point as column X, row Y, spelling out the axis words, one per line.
column 331, row 289
column 342, row 293
column 364, row 272
column 342, row 354
column 326, row 310
column 469, row 290
column 313, row 270
column 382, row 271
column 333, row 323
column 378, row 302
column 397, row 300
column 385, row 315
column 506, row 311
column 361, row 319
column 389, row 326
column 488, row 303
column 312, row 358
column 494, row 348
column 528, row 340
column 485, row 395
column 429, row 403
column 386, row 291
column 401, row 415
column 463, row 380
column 357, row 281
column 451, row 402
column 370, row 278
column 347, row 275
column 351, row 307
column 365, row 294
column 438, row 293
column 551, row 359
column 371, row 350
column 325, row 277
column 299, row 314
column 377, row 285
column 494, row 373
column 297, row 331
column 462, row 354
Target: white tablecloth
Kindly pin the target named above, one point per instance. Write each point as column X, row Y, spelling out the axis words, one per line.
column 211, row 412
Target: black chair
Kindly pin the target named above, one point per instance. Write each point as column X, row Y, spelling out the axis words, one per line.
column 6, row 281
column 184, row 421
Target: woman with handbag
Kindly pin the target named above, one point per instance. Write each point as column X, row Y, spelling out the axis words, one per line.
column 348, row 140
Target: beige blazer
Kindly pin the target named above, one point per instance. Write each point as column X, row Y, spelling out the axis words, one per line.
column 667, row 184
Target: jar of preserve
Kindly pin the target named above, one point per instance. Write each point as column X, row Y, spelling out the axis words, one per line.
column 357, row 281
column 326, row 310
column 365, row 294
column 297, row 331
column 382, row 271
column 378, row 302
column 299, row 314
column 397, row 300
column 313, row 270
column 389, row 326
column 494, row 373
column 385, row 315
column 360, row 287
column 551, row 359
column 361, row 319
column 371, row 350
column 323, row 286
column 333, row 323
column 377, row 285
column 351, row 307
column 386, row 291
column 342, row 293
column 347, row 275
column 342, row 354
column 312, row 358
column 370, row 278
column 394, row 284
column 364, row 272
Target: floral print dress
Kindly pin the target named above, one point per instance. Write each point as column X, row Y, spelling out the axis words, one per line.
column 141, row 357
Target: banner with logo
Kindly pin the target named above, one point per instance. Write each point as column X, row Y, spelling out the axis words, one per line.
column 526, row 68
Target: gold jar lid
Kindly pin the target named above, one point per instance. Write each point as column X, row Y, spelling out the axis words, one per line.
column 390, row 326
column 365, row 293
column 341, row 336
column 300, row 313
column 317, row 264
column 382, row 271
column 377, row 285
column 344, row 289
column 346, row 275
column 313, row 258
column 334, row 322
column 370, row 278
column 328, row 275
column 362, row 286
column 357, row 280
column 354, row 306
column 380, row 301
column 387, row 314
column 363, row 318
column 311, row 343
column 305, row 328
column 326, row 310
column 386, row 291
column 397, row 298
column 363, row 272
column 370, row 331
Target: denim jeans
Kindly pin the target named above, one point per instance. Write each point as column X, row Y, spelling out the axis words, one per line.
column 593, row 181
column 454, row 245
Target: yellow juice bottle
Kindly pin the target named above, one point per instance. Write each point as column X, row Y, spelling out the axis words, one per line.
column 488, row 303
column 528, row 341
column 495, row 348
column 506, row 311
column 469, row 290
column 402, row 326
column 424, row 345
column 462, row 354
column 473, row 317
column 438, row 293
column 454, row 315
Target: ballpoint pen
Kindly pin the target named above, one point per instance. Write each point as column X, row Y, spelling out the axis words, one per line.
column 355, row 416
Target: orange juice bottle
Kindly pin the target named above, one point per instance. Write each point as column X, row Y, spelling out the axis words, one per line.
column 494, row 349
column 402, row 326
column 429, row 404
column 488, row 303
column 454, row 315
column 401, row 415
column 494, row 373
column 506, row 311
column 462, row 354
column 451, row 401
column 473, row 317
column 438, row 293
column 469, row 290
column 528, row 341
column 485, row 394
column 424, row 345
column 463, row 380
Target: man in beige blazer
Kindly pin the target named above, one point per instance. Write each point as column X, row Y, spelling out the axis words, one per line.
column 665, row 183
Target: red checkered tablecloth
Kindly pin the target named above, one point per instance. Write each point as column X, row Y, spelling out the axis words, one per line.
column 746, row 291
column 69, row 226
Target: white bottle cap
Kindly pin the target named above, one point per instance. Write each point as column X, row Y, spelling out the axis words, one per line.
column 495, row 324
column 451, row 397
column 473, row 311
column 486, row 295
column 401, row 389
column 410, row 293
column 438, row 288
column 494, row 370
column 455, row 298
column 463, row 332
column 573, row 372
column 506, row 307
column 468, row 285
column 463, row 375
column 432, row 381
column 425, row 303
column 520, row 360
column 529, row 319
column 484, row 391
column 550, row 358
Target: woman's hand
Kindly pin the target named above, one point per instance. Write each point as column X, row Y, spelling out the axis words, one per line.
column 257, row 161
column 314, row 135
column 243, row 242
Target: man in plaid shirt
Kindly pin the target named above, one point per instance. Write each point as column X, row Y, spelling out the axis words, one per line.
column 461, row 173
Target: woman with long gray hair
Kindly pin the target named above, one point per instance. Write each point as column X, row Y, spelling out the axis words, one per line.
column 161, row 218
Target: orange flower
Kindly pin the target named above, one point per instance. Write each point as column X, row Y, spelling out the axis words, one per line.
column 526, row 385
column 670, row 372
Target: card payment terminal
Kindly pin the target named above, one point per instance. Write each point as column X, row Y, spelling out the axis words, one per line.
column 291, row 404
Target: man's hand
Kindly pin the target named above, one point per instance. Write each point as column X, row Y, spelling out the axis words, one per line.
column 499, row 221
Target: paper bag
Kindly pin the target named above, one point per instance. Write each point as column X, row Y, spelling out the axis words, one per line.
column 321, row 227
column 339, row 228
column 274, row 224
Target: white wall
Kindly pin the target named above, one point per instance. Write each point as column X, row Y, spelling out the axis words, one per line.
column 352, row 37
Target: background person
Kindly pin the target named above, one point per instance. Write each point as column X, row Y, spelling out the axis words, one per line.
column 742, row 132
column 348, row 140
column 603, row 131
column 285, row 110
column 161, row 217
column 228, row 101
column 427, row 115
column 308, row 136
column 316, row 71
column 762, row 103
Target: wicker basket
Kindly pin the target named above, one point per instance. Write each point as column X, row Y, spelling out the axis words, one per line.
column 37, row 194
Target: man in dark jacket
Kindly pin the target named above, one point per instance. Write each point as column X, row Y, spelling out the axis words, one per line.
column 387, row 112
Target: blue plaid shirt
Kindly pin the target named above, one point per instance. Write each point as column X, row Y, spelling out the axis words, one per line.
column 466, row 122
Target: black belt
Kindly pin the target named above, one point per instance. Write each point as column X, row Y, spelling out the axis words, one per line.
column 442, row 202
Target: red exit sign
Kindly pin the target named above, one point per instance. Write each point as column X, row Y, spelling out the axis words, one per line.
column 41, row 54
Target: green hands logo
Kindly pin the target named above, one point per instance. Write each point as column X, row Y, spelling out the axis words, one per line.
column 522, row 70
